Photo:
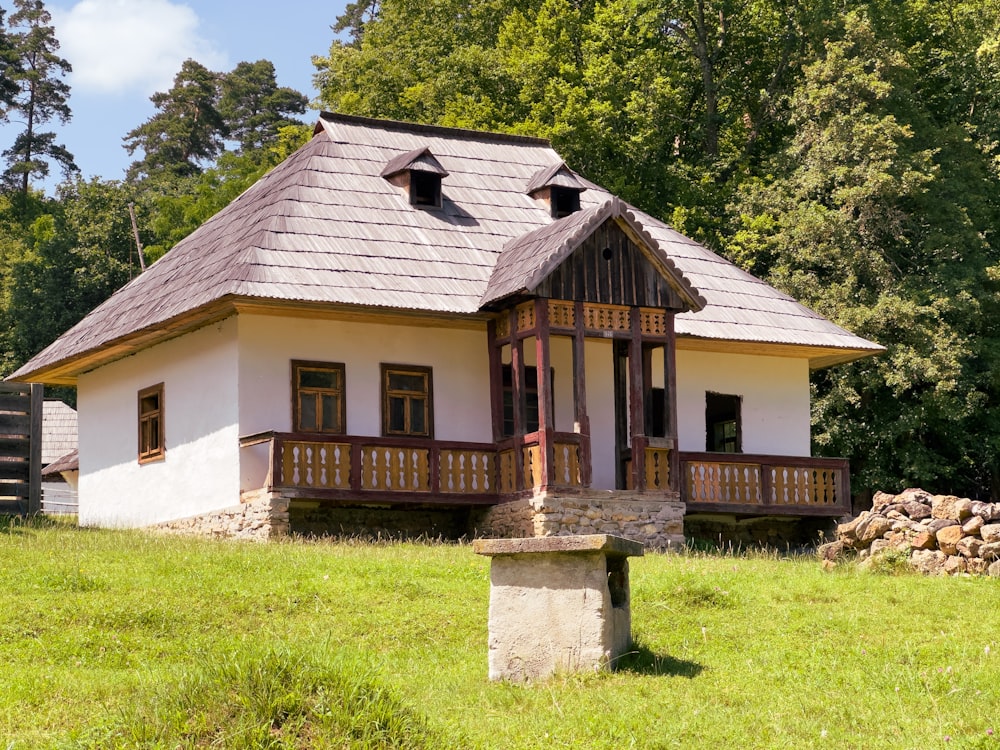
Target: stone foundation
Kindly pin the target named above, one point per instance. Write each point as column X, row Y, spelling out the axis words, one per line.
column 657, row 523
column 315, row 519
column 261, row 516
column 780, row 532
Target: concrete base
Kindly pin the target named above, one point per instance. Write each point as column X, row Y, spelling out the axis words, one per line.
column 557, row 604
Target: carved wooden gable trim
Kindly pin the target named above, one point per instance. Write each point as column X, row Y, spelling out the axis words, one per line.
column 610, row 268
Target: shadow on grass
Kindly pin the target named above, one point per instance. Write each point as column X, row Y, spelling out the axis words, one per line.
column 641, row 660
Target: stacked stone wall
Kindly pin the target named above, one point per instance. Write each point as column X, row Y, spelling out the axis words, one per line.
column 656, row 523
column 261, row 516
column 940, row 534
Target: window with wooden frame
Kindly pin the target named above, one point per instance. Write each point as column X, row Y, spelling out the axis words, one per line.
column 151, row 447
column 723, row 423
column 407, row 401
column 318, row 397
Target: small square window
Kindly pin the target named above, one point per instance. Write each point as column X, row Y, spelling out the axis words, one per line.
column 318, row 397
column 407, row 401
column 151, row 447
column 565, row 201
column 425, row 189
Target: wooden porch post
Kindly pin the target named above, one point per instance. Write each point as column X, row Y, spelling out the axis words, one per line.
column 637, row 410
column 670, row 400
column 546, row 426
column 519, row 397
column 496, row 380
column 580, row 396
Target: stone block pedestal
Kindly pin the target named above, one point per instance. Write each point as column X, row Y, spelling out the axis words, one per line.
column 557, row 604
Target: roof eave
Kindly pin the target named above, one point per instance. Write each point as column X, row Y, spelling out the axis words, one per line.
column 66, row 371
column 819, row 356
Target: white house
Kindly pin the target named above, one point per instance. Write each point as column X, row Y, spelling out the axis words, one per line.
column 356, row 341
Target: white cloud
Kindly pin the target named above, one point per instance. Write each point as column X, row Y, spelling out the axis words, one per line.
column 119, row 46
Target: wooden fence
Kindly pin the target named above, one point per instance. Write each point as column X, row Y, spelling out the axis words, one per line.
column 20, row 448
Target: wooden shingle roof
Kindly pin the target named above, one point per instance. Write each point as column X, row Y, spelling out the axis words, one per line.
column 59, row 430
column 326, row 228
column 555, row 174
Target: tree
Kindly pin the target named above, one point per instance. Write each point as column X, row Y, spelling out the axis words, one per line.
column 868, row 225
column 668, row 103
column 8, row 67
column 253, row 106
column 186, row 132
column 36, row 70
column 356, row 15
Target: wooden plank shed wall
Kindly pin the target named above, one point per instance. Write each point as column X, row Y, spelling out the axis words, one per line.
column 20, row 447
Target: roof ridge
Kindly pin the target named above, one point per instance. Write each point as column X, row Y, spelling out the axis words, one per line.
column 415, row 127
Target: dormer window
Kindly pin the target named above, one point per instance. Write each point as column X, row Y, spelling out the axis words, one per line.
column 419, row 174
column 425, row 189
column 558, row 188
column 564, row 201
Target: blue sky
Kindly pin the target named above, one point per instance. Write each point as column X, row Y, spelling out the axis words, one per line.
column 122, row 51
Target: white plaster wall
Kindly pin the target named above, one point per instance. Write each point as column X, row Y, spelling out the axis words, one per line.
column 268, row 344
column 561, row 362
column 600, row 373
column 775, row 407
column 200, row 469
column 561, row 356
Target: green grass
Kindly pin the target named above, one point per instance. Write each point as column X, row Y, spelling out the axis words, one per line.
column 128, row 640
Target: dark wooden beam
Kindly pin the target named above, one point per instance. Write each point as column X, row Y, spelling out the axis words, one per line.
column 519, row 397
column 546, row 417
column 670, row 400
column 637, row 411
column 496, row 378
column 580, row 414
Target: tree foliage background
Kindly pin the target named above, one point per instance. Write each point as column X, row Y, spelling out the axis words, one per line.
column 212, row 136
column 846, row 151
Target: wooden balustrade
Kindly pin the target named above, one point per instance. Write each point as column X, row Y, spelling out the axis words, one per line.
column 567, row 464
column 740, row 483
column 403, row 469
column 355, row 468
column 657, row 468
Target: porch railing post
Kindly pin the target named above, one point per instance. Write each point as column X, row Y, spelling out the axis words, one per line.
column 356, row 458
column 275, row 458
column 766, row 484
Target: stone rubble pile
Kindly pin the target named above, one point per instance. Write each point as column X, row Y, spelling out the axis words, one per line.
column 942, row 534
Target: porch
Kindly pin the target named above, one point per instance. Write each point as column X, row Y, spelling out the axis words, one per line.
column 419, row 472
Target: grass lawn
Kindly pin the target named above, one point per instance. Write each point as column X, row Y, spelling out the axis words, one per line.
column 124, row 639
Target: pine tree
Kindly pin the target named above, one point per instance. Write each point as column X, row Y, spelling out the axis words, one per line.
column 35, row 69
column 186, row 132
column 255, row 108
